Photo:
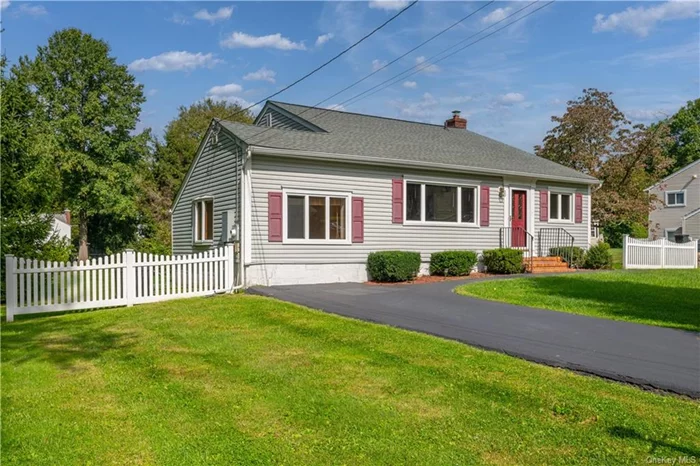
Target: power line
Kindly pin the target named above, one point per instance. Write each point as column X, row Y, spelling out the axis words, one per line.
column 319, row 68
column 426, row 63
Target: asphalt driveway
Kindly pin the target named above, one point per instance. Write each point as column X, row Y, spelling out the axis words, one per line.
column 655, row 357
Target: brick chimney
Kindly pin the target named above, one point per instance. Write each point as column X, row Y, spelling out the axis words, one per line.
column 456, row 121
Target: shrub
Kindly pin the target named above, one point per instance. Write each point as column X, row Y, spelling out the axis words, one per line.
column 614, row 231
column 572, row 254
column 639, row 231
column 504, row 261
column 452, row 263
column 598, row 257
column 393, row 266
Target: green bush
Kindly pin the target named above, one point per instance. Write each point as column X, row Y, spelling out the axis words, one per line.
column 598, row 257
column 614, row 231
column 572, row 254
column 504, row 261
column 452, row 263
column 637, row 230
column 393, row 266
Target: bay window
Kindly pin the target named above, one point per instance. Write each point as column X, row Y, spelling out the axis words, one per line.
column 440, row 203
column 203, row 220
column 317, row 217
column 560, row 206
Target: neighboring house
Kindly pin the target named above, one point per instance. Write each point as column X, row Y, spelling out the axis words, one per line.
column 314, row 191
column 677, row 210
column 60, row 225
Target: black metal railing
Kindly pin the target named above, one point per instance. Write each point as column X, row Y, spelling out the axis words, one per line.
column 557, row 242
column 518, row 238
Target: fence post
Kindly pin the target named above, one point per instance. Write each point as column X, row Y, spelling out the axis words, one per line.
column 663, row 252
column 129, row 278
column 230, row 264
column 624, row 252
column 696, row 253
column 10, row 286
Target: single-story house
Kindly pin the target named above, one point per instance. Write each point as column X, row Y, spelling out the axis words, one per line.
column 310, row 192
column 677, row 211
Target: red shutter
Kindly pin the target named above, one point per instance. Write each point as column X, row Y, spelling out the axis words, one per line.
column 578, row 208
column 358, row 220
column 485, row 203
column 397, row 200
column 544, row 206
column 274, row 216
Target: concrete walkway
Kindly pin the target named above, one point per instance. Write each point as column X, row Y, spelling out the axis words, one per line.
column 644, row 355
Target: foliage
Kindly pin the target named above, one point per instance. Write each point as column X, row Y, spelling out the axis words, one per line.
column 452, row 263
column 85, row 108
column 638, row 230
column 598, row 257
column 504, row 261
column 595, row 138
column 614, row 231
column 572, row 254
column 684, row 146
column 393, row 266
column 667, row 298
column 131, row 385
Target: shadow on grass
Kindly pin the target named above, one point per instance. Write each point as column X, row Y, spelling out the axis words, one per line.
column 62, row 342
column 676, row 306
column 626, row 433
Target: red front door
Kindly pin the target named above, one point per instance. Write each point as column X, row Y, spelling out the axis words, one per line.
column 518, row 219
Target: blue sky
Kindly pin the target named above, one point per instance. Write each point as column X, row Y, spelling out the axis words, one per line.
column 508, row 86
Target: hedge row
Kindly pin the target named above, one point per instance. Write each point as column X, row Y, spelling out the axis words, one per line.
column 399, row 266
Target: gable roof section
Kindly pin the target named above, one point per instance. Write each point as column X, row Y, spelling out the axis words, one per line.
column 355, row 137
column 272, row 106
column 690, row 165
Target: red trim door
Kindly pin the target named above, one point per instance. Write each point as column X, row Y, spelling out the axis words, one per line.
column 518, row 219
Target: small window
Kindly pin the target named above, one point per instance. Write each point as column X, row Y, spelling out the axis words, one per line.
column 560, row 206
column 675, row 198
column 671, row 233
column 204, row 220
column 413, row 201
column 317, row 217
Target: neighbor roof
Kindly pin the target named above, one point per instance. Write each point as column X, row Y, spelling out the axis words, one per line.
column 367, row 136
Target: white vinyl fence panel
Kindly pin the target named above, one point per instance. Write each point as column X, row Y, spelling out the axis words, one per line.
column 117, row 280
column 658, row 254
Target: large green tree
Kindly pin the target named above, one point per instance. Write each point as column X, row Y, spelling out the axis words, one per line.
column 88, row 105
column 594, row 137
column 684, row 147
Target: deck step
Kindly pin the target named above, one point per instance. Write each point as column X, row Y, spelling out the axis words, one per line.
column 551, row 269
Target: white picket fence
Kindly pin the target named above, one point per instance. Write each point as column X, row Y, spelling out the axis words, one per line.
column 118, row 280
column 658, row 254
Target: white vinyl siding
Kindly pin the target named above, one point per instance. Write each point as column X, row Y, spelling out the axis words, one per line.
column 578, row 230
column 664, row 217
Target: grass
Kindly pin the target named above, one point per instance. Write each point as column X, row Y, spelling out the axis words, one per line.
column 251, row 380
column 616, row 254
column 667, row 298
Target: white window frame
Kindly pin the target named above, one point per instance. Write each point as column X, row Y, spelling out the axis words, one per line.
column 674, row 230
column 201, row 201
column 306, row 193
column 572, row 205
column 680, row 191
column 459, row 186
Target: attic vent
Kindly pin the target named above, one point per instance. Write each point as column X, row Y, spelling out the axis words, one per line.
column 268, row 120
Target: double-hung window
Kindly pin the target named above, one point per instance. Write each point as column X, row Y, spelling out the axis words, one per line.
column 560, row 206
column 675, row 198
column 203, row 220
column 317, row 217
column 440, row 203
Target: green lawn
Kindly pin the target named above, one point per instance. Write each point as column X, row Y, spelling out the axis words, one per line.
column 251, row 380
column 616, row 254
column 667, row 298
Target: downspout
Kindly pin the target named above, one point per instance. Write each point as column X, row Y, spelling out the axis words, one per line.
column 245, row 173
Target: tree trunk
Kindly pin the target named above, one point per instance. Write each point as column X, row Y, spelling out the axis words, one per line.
column 83, row 236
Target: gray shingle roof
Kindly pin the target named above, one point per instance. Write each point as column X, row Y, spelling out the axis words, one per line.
column 355, row 134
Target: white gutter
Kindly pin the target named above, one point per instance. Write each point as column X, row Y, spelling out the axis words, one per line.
column 365, row 160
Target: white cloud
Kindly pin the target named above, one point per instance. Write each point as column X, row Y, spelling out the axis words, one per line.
column 641, row 20
column 227, row 90
column 4, row 4
column 644, row 115
column 496, row 15
column 175, row 61
column 424, row 109
column 410, row 84
column 263, row 74
column 31, row 10
column 322, row 39
column 511, row 98
column 336, row 107
column 152, row 92
column 274, row 41
column 177, row 18
column 221, row 14
column 682, row 53
column 378, row 64
column 388, row 5
column 426, row 68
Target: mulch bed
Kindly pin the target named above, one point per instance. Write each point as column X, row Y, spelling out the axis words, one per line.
column 431, row 279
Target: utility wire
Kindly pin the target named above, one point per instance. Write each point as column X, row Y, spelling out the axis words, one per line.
column 319, row 68
column 421, row 66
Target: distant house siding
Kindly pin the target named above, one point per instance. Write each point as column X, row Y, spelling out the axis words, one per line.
column 280, row 121
column 578, row 230
column 692, row 226
column 217, row 173
column 663, row 218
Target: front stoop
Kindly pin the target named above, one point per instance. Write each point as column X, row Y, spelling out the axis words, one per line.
column 547, row 265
